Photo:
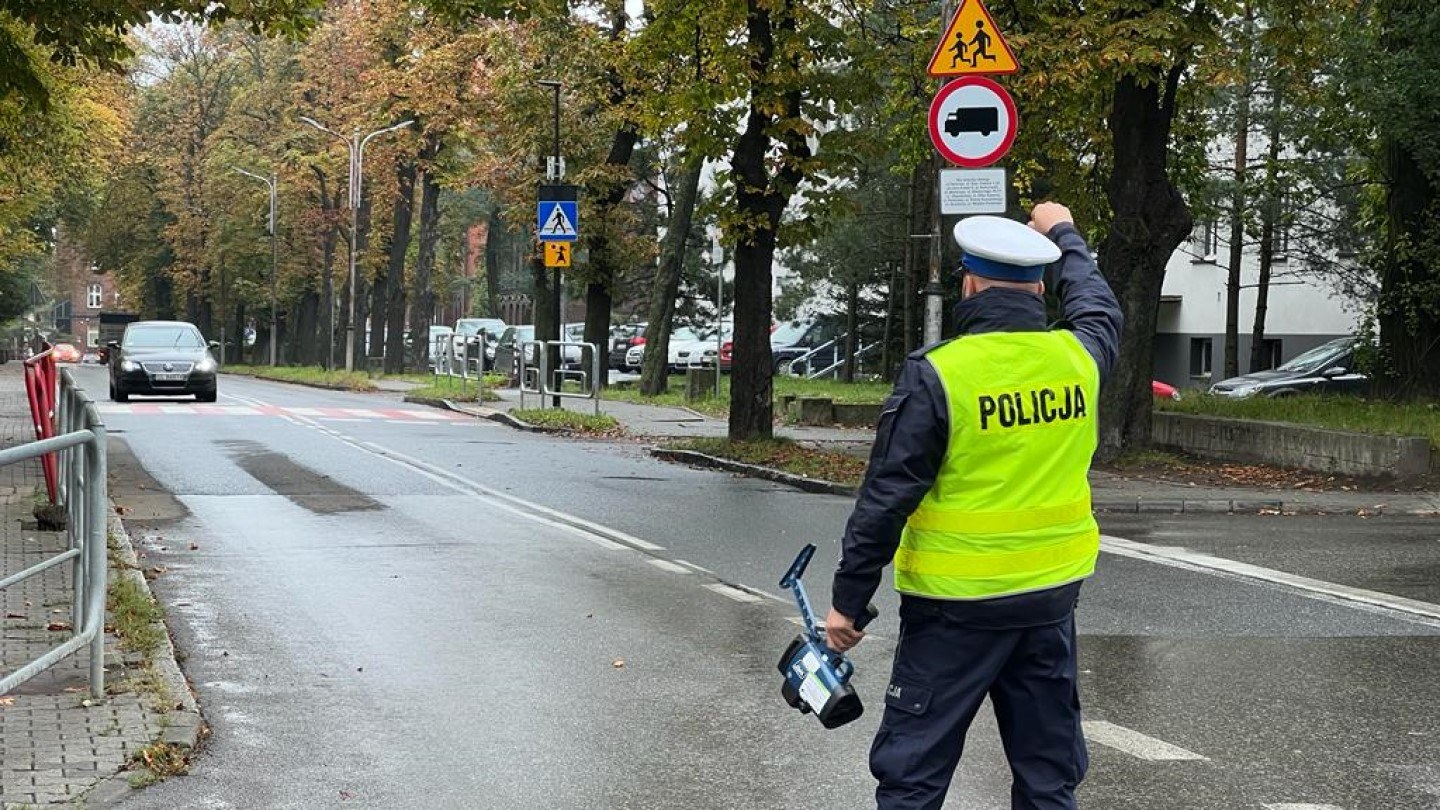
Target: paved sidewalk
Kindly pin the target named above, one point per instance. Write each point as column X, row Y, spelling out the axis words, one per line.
column 671, row 422
column 1111, row 492
column 56, row 745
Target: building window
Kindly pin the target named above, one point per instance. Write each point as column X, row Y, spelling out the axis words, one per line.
column 1269, row 354
column 1207, row 241
column 1200, row 357
column 96, row 296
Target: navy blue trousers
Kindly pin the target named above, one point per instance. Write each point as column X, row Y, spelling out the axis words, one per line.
column 943, row 671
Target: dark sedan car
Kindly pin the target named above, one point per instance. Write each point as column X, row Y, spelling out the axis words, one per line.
column 1325, row 369
column 162, row 358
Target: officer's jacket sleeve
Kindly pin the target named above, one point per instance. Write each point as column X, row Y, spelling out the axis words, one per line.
column 1086, row 300
column 910, row 443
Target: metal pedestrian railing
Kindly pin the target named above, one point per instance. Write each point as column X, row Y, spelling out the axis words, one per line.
column 465, row 363
column 537, row 378
column 81, row 491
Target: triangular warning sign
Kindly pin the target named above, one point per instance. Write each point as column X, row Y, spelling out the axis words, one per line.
column 972, row 45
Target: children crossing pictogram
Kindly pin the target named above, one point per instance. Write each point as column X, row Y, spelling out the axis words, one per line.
column 972, row 45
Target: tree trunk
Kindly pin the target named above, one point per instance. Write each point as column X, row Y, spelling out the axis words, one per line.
column 1409, row 313
column 424, row 311
column 497, row 237
column 303, row 343
column 655, row 374
column 1150, row 221
column 1269, row 214
column 604, row 264
column 760, row 200
column 395, row 298
column 1238, row 202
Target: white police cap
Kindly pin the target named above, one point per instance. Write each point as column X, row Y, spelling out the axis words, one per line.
column 1000, row 248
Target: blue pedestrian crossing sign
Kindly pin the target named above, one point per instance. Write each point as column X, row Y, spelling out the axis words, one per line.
column 558, row 220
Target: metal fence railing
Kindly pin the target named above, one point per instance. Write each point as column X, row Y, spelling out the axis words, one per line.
column 80, row 446
column 580, row 363
column 459, row 357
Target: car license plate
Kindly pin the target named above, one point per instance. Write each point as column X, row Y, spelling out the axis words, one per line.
column 170, row 377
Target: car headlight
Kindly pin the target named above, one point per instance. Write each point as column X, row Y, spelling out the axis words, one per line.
column 129, row 365
column 207, row 364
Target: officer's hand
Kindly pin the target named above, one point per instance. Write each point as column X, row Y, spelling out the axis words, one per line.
column 840, row 632
column 1047, row 215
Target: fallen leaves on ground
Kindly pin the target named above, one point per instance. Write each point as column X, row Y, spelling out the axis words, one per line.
column 57, row 626
column 618, row 663
column 1186, row 471
column 7, row 701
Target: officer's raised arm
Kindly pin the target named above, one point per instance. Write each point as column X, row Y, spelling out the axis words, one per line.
column 1086, row 300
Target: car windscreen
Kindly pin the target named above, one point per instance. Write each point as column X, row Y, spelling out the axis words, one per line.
column 1315, row 359
column 788, row 334
column 163, row 337
column 683, row 334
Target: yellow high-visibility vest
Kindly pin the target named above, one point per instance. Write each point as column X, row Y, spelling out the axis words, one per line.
column 1010, row 510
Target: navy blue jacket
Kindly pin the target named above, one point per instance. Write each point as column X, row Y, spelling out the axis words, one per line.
column 914, row 430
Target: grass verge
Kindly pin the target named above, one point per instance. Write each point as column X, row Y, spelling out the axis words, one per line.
column 1354, row 414
column 348, row 380
column 785, row 455
column 587, row 423
column 858, row 393
column 454, row 392
column 133, row 613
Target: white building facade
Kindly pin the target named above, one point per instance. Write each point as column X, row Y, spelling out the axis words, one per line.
column 1303, row 310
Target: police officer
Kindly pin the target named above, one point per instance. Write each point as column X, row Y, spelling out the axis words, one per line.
column 977, row 489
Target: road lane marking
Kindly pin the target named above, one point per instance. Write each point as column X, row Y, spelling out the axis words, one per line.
column 599, row 535
column 666, row 565
column 1301, row 806
column 1314, row 588
column 1140, row 746
column 731, row 592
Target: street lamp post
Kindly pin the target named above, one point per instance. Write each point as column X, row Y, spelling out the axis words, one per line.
column 355, row 144
column 270, row 183
column 555, row 172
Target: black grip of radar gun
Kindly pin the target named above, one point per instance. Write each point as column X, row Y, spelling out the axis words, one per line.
column 865, row 618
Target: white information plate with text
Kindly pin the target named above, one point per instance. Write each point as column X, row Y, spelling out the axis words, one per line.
column 973, row 191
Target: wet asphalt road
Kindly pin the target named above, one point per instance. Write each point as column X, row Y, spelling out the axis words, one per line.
column 371, row 622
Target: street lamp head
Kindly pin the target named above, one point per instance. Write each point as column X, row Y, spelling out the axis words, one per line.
column 551, row 83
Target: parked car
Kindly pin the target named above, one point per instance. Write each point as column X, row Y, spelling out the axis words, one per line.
column 1328, row 368
column 795, row 339
column 467, row 328
column 162, row 358
column 1162, row 390
column 65, row 353
column 507, row 349
column 680, row 340
column 90, row 358
column 701, row 354
column 438, row 333
column 622, row 338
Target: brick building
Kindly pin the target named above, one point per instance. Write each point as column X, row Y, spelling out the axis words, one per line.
column 81, row 294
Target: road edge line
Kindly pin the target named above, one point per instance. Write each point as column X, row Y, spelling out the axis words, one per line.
column 1184, row 558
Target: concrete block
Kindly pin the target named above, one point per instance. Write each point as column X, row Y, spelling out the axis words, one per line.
column 817, row 411
column 699, row 384
column 863, row 416
column 1286, row 445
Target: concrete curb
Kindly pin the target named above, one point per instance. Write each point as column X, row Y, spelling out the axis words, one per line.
column 482, row 412
column 693, row 458
column 186, row 725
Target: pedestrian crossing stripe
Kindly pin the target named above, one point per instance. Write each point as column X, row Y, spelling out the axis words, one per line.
column 558, row 220
column 404, row 415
